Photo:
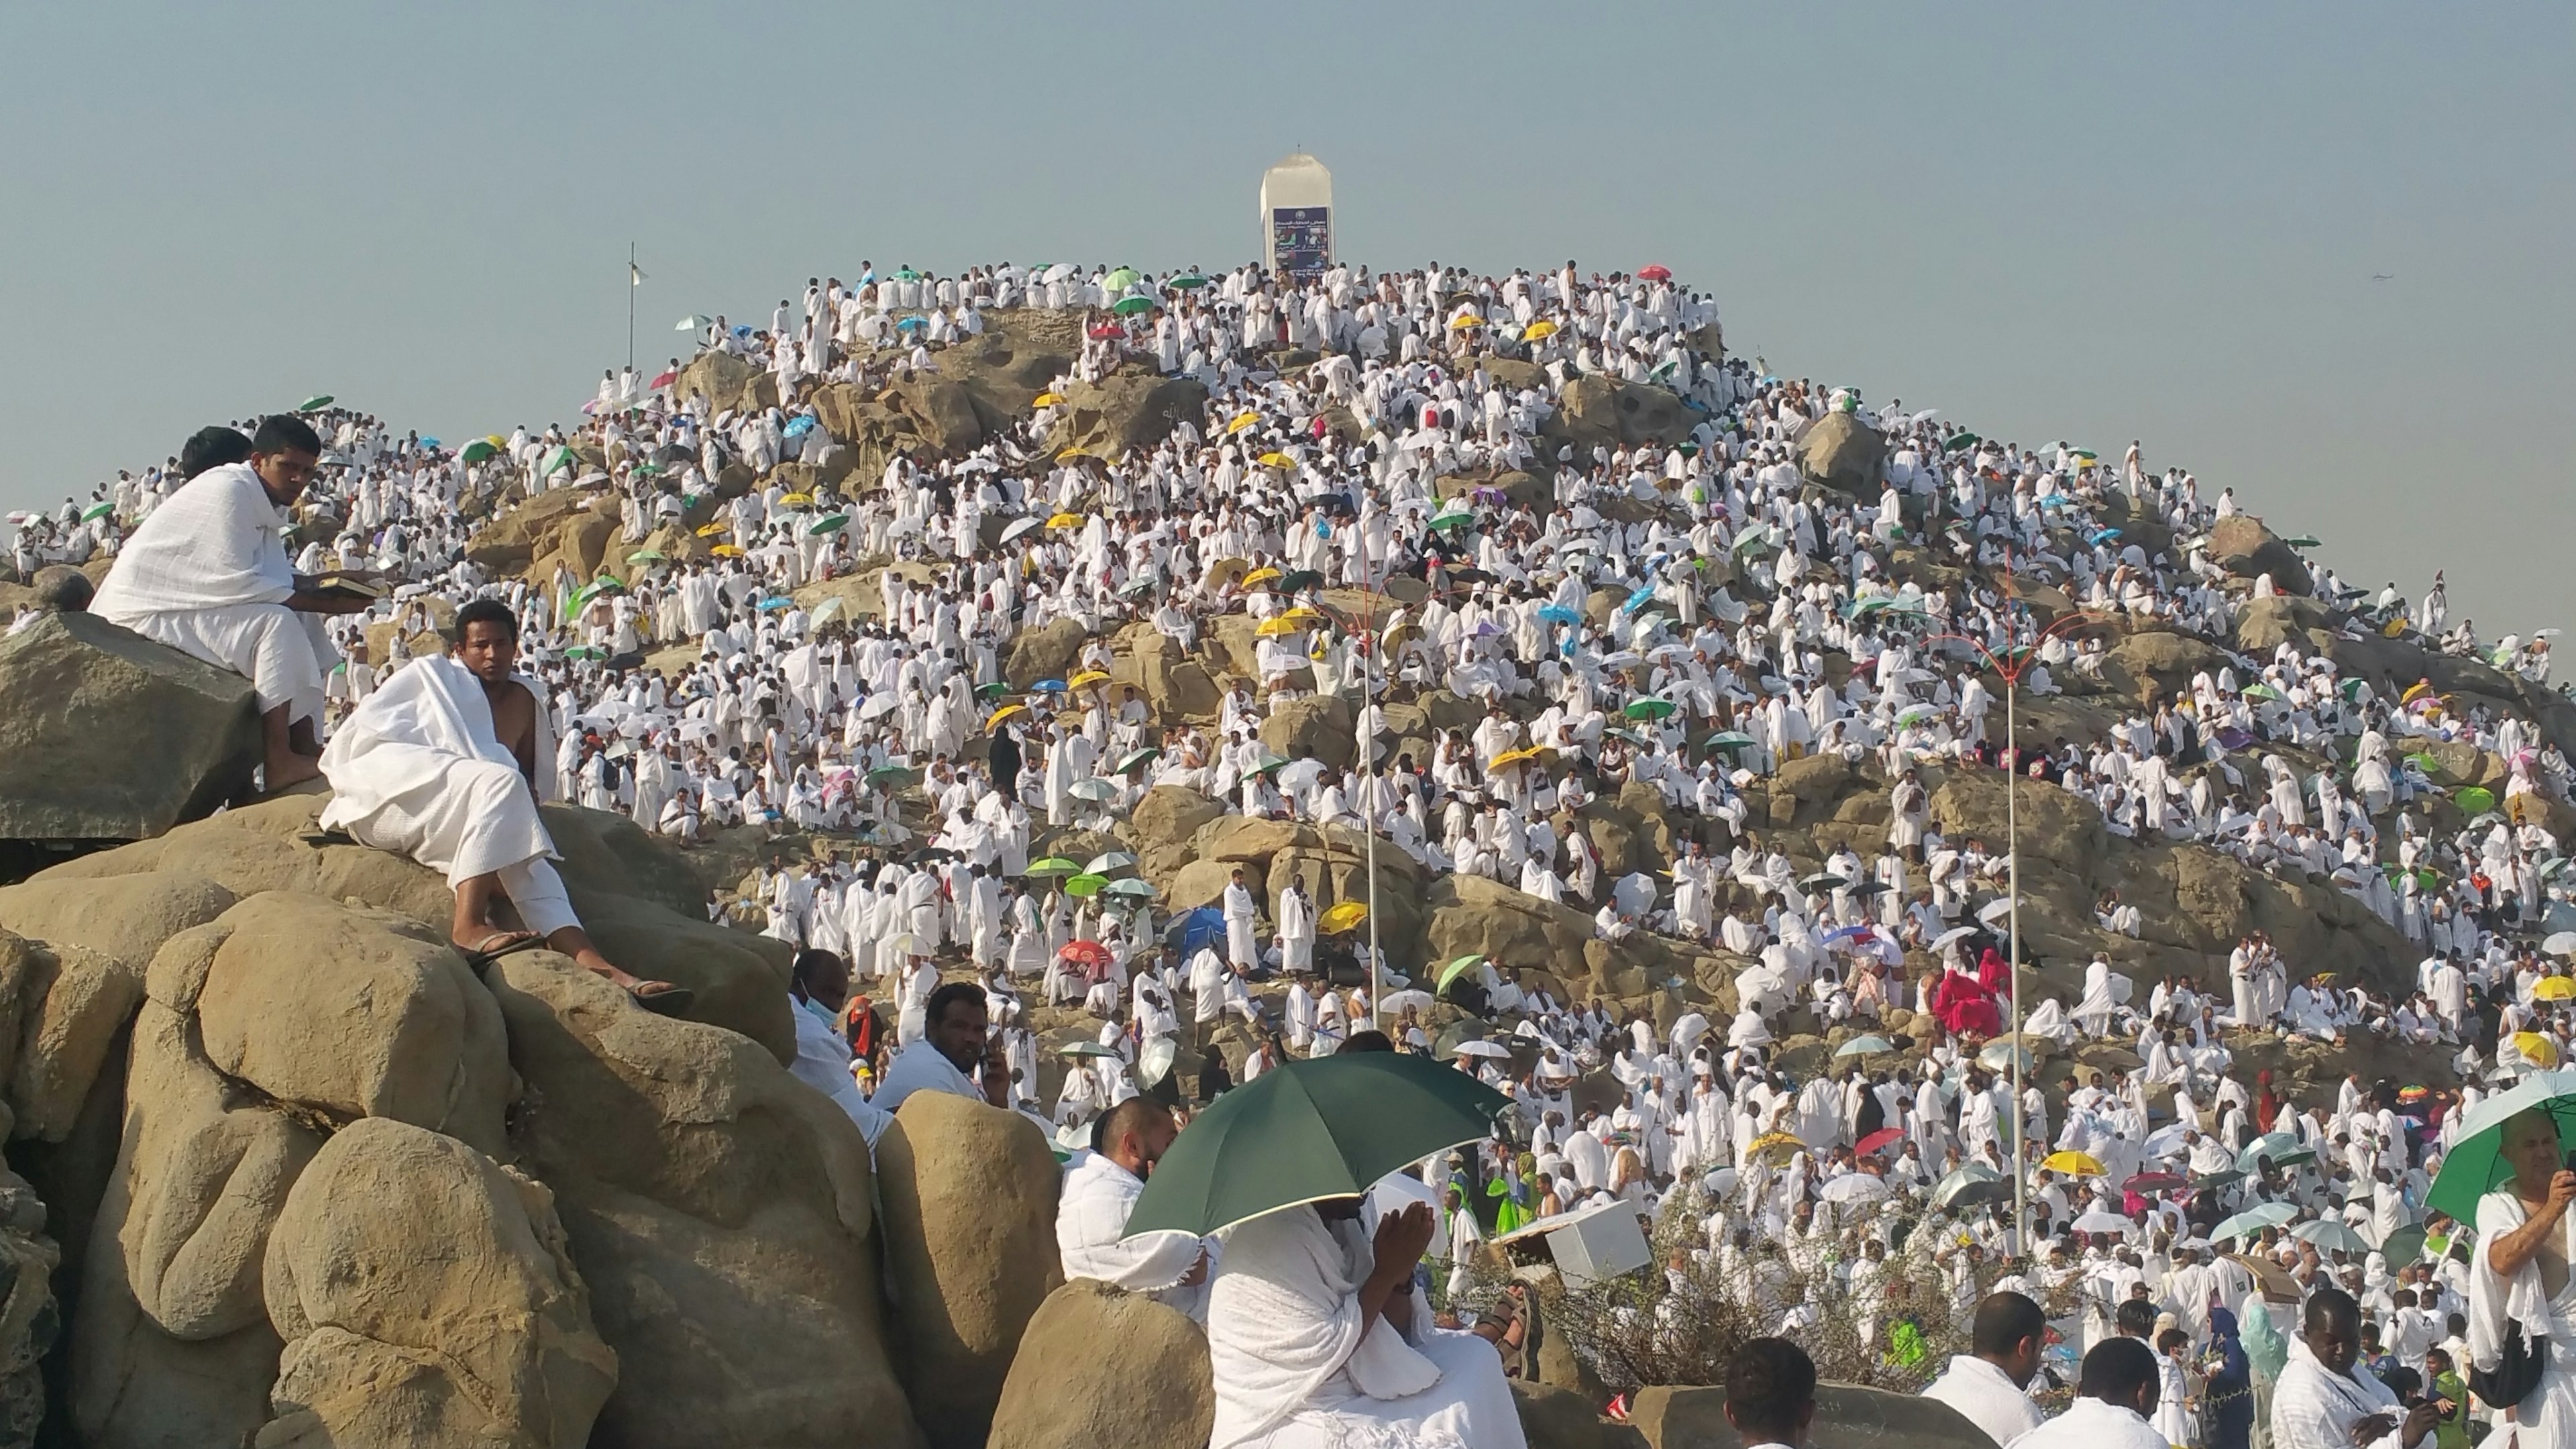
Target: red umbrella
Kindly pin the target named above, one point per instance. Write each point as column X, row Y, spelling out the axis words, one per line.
column 1656, row 273
column 1084, row 953
column 664, row 380
column 1880, row 1140
column 1108, row 330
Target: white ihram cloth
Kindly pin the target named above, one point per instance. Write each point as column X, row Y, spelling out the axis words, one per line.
column 2316, row 1408
column 1090, row 1236
column 2548, row 1416
column 206, row 573
column 823, row 1063
column 1986, row 1396
column 420, row 771
column 920, row 1068
column 1294, row 1371
column 2093, row 1424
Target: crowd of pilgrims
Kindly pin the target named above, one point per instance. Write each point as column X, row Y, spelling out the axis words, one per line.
column 867, row 717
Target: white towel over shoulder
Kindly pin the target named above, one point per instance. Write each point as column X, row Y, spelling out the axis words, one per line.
column 419, row 770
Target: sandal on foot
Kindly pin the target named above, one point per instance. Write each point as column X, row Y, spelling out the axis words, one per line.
column 498, row 945
column 669, row 1001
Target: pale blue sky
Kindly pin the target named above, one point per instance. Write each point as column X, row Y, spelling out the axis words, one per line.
column 2077, row 221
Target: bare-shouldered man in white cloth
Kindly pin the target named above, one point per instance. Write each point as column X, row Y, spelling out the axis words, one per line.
column 207, row 574
column 441, row 764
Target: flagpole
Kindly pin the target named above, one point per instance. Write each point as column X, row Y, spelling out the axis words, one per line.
column 633, row 285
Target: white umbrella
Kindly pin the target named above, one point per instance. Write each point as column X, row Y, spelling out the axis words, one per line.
column 2560, row 943
column 694, row 323
column 1493, row 1049
column 1093, row 789
column 1853, row 1187
column 1952, row 936
column 1020, row 527
column 2098, row 1221
column 880, row 705
column 1994, row 911
column 1155, row 1062
column 1397, row 1001
column 1301, row 775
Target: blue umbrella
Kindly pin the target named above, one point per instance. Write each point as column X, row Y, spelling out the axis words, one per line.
column 798, row 427
column 2101, row 535
column 1049, row 686
column 909, row 323
column 429, row 442
column 1644, row 595
column 1559, row 614
column 743, row 330
column 1197, row 928
column 781, row 602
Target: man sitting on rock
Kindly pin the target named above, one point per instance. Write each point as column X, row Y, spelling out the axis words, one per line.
column 1100, row 1192
column 207, row 574
column 440, row 764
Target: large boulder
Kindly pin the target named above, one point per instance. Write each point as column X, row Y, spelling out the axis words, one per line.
column 1470, row 915
column 970, row 1194
column 1075, row 1382
column 1128, row 412
column 426, row 1298
column 2241, row 545
column 720, row 1212
column 114, row 737
column 1311, row 726
column 942, row 413
column 1596, row 411
column 717, row 376
column 1045, row 652
column 1840, row 451
column 352, row 1013
column 1848, row 1416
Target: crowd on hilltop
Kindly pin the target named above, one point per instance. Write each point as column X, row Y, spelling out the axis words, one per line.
column 1391, row 433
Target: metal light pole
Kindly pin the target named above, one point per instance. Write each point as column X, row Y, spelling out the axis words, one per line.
column 634, row 284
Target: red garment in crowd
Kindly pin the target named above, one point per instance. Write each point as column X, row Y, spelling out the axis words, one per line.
column 1963, row 1005
column 1994, row 973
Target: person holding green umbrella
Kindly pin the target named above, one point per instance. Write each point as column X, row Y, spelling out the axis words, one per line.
column 1316, row 1335
column 2512, row 1157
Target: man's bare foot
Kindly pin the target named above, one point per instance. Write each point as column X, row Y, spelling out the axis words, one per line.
column 659, row 997
column 288, row 769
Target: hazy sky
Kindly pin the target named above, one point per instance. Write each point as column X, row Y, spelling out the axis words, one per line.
column 2050, row 221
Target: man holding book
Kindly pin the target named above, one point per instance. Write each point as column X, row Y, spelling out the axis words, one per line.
column 206, row 573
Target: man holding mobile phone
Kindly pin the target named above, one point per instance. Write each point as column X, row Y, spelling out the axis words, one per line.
column 2323, row 1401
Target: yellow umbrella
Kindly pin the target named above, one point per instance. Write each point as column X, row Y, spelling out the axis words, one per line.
column 1277, row 460
column 726, row 550
column 1461, row 324
column 1539, row 329
column 1007, row 711
column 1242, row 421
column 1303, row 615
column 1260, row 575
column 1225, row 568
column 1066, row 520
column 2074, row 1164
column 1509, row 758
column 794, row 500
column 712, row 530
column 2536, row 1049
column 1045, row 400
column 1774, row 1148
column 1069, row 454
column 2555, row 988
column 1086, row 679
column 1343, row 917
column 1276, row 627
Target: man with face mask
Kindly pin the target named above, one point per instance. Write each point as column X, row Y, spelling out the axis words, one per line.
column 1100, row 1191
column 818, row 983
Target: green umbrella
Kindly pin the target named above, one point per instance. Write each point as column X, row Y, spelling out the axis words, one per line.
column 993, row 688
column 97, row 511
column 1861, row 1046
column 645, row 555
column 1453, row 517
column 2476, row 1165
column 2283, row 1149
column 1187, row 282
column 2254, row 1220
column 1052, row 867
column 1085, row 885
column 477, row 450
column 558, row 460
column 1121, row 279
column 829, row 523
column 1968, row 1187
column 694, row 323
column 896, row 775
column 2330, row 1233
column 1458, row 968
column 1130, row 306
column 581, row 651
column 1960, row 440
column 907, row 274
column 2403, row 1246
column 1133, row 758
column 1325, row 1127
column 1729, row 740
column 2475, row 799
column 315, row 403
column 2304, row 541
column 1649, row 708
